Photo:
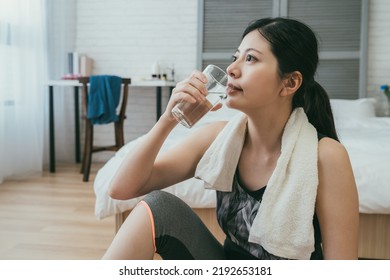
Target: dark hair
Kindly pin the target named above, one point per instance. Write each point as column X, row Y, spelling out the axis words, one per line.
column 295, row 47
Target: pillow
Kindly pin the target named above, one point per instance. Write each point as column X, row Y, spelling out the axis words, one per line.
column 353, row 108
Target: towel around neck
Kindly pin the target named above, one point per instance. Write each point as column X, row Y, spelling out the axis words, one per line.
column 284, row 223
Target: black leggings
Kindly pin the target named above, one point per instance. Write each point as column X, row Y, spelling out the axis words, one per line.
column 179, row 233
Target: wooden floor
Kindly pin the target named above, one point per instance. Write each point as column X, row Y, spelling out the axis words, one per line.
column 52, row 217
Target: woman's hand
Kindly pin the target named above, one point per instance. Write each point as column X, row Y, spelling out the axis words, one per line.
column 192, row 90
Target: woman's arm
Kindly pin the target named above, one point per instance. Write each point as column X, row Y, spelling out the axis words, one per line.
column 337, row 204
column 136, row 168
column 145, row 169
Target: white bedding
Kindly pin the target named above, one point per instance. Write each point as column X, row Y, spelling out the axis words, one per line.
column 366, row 140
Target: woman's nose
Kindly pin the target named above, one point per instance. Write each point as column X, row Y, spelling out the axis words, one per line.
column 232, row 70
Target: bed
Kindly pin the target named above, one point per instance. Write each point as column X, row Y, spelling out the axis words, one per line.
column 364, row 135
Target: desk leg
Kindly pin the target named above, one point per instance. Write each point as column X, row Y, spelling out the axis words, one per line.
column 77, row 124
column 158, row 103
column 51, row 132
column 170, row 91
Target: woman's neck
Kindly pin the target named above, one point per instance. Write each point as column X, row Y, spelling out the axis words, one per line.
column 264, row 134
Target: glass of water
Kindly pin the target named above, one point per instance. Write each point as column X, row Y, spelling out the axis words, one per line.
column 189, row 113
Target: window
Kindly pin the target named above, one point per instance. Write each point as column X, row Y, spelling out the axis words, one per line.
column 341, row 27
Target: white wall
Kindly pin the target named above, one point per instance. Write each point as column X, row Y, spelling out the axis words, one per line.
column 125, row 38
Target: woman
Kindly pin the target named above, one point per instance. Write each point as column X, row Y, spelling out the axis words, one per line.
column 270, row 78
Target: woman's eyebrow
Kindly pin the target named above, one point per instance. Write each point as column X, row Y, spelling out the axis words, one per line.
column 249, row 49
column 253, row 49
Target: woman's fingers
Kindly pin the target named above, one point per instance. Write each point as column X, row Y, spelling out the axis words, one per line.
column 179, row 96
column 194, row 86
column 200, row 76
column 192, row 90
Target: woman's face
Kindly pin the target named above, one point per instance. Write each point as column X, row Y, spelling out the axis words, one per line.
column 253, row 75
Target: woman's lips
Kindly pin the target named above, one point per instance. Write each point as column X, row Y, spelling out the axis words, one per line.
column 232, row 88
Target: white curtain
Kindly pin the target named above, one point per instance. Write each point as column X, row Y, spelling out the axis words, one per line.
column 23, row 72
column 61, row 32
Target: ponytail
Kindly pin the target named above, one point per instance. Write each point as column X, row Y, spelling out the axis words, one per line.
column 316, row 104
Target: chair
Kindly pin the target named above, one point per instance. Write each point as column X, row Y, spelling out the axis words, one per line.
column 89, row 148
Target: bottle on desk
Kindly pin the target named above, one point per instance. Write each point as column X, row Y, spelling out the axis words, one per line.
column 156, row 70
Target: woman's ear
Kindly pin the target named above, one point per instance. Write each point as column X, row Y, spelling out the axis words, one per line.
column 292, row 83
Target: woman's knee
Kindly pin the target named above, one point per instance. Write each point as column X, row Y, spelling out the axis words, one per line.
column 163, row 202
column 159, row 197
column 166, row 210
column 179, row 232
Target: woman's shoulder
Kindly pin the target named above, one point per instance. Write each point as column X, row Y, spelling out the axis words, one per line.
column 333, row 158
column 330, row 150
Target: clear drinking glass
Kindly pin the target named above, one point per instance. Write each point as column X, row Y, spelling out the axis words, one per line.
column 189, row 113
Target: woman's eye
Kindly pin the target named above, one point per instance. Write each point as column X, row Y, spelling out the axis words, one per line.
column 234, row 58
column 250, row 58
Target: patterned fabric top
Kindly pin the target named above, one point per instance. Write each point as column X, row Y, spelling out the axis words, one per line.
column 236, row 211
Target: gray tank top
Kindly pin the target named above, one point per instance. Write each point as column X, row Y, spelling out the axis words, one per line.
column 236, row 211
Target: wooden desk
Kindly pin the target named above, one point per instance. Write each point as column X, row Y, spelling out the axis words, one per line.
column 158, row 84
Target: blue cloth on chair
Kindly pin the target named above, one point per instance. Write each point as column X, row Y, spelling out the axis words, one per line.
column 103, row 98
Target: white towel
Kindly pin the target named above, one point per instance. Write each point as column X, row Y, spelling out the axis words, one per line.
column 284, row 223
